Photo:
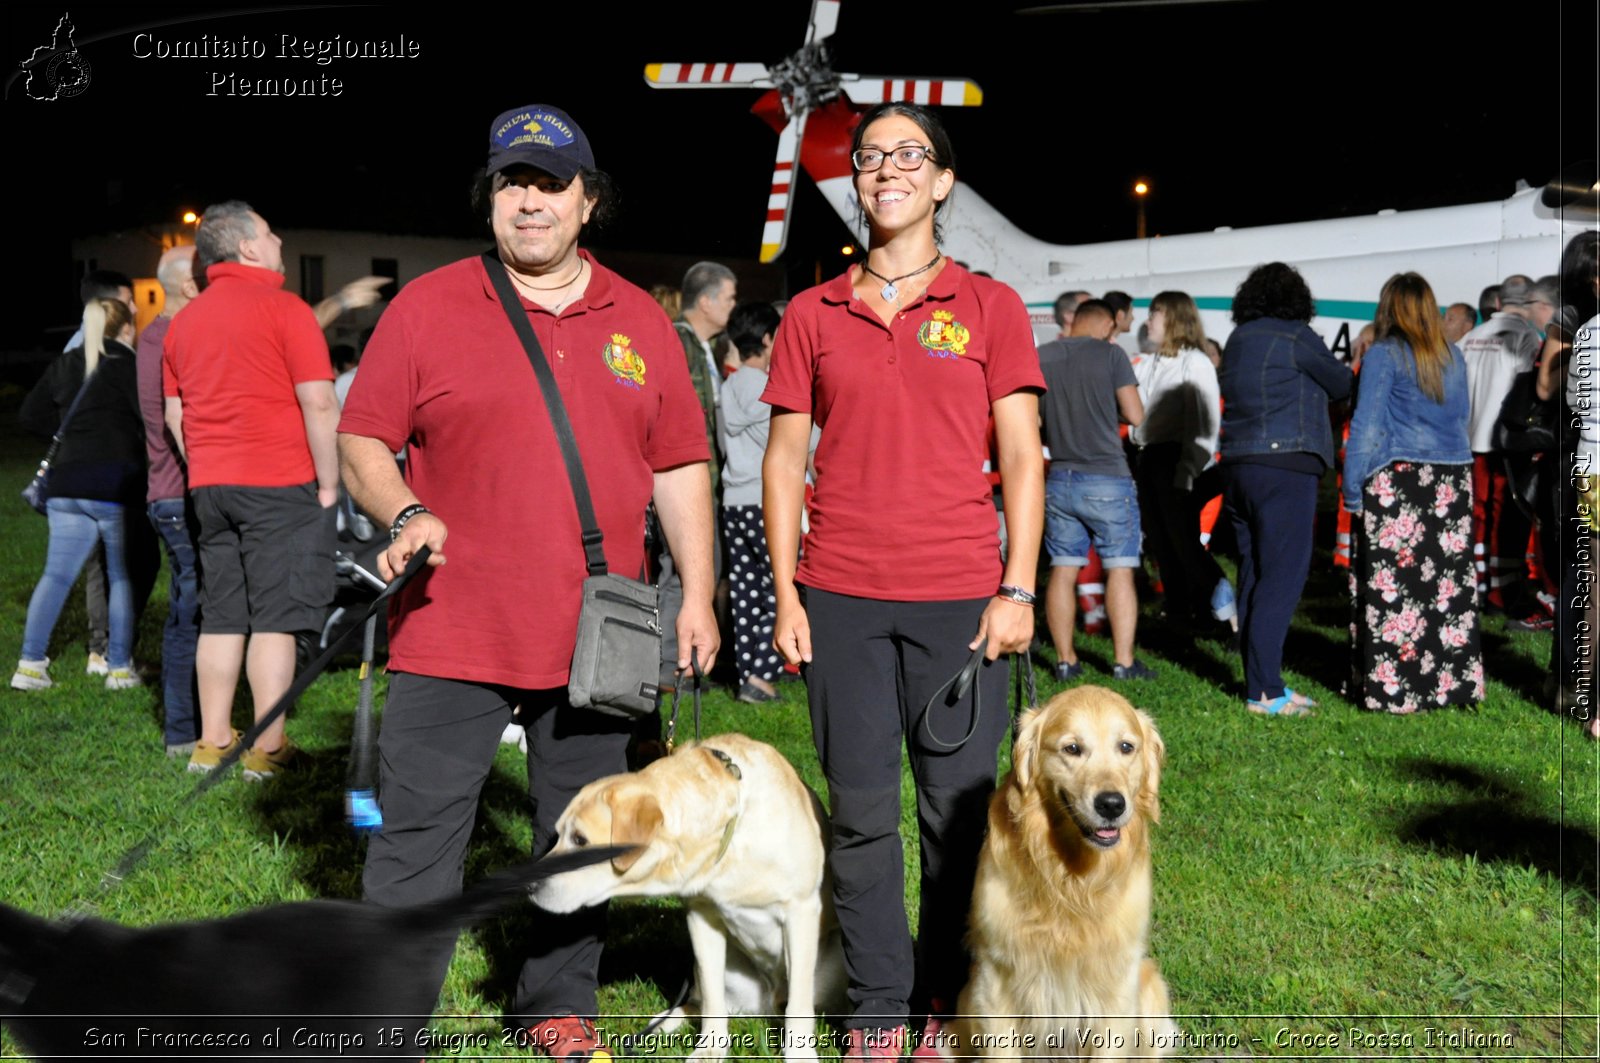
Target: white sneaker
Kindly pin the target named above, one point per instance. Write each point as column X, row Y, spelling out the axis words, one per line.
column 514, row 735
column 32, row 675
column 123, row 679
column 98, row 665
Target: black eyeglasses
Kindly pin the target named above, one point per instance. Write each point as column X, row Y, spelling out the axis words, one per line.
column 909, row 157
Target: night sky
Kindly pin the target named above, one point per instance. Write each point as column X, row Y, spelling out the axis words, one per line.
column 1238, row 114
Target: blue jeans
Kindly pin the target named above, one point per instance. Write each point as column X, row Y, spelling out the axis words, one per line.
column 171, row 519
column 1082, row 508
column 76, row 524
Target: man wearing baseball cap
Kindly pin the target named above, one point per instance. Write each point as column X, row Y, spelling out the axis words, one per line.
column 470, row 641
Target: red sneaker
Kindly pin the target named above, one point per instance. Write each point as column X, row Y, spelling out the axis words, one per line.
column 567, row 1037
column 886, row 1046
column 934, row 1043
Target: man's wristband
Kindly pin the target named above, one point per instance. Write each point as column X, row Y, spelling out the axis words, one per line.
column 1016, row 594
column 403, row 518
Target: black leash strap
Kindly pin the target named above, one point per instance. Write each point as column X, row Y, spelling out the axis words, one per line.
column 677, row 693
column 965, row 680
column 136, row 855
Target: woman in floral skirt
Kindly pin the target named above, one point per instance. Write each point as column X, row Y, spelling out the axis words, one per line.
column 1408, row 474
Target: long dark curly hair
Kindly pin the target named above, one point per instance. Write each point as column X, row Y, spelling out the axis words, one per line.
column 597, row 186
column 1273, row 290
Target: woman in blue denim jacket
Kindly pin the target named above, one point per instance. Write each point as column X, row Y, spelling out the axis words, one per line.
column 1408, row 473
column 1277, row 378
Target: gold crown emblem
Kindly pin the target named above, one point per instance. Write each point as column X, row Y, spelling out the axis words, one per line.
column 619, row 339
column 943, row 315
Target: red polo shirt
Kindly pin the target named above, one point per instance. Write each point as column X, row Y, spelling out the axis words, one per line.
column 234, row 356
column 445, row 376
column 902, row 509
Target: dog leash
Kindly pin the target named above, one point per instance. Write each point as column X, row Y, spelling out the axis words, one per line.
column 136, row 855
column 956, row 688
column 677, row 693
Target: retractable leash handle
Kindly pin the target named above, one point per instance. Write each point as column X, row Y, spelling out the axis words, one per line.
column 361, row 809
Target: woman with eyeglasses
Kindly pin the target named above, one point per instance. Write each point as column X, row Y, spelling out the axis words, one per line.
column 901, row 362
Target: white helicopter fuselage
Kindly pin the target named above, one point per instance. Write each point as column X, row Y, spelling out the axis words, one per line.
column 1345, row 261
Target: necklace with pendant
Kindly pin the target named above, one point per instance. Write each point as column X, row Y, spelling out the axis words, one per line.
column 889, row 291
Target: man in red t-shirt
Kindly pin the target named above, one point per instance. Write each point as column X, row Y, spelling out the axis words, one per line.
column 250, row 403
column 445, row 376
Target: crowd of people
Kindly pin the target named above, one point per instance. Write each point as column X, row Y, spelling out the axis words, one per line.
column 829, row 464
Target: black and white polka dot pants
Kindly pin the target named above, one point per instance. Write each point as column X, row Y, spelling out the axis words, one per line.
column 751, row 602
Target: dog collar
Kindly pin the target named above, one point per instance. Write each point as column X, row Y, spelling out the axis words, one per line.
column 727, row 762
column 727, row 832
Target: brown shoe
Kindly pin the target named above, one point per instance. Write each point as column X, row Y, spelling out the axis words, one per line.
column 260, row 764
column 206, row 756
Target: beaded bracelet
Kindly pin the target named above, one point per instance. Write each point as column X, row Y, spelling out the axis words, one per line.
column 405, row 516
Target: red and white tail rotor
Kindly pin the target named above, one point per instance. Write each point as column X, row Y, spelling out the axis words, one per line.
column 803, row 82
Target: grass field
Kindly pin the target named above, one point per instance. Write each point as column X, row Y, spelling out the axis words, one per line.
column 1326, row 887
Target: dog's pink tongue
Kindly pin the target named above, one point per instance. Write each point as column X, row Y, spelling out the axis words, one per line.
column 1107, row 833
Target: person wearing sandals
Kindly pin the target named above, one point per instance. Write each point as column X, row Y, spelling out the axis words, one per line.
column 901, row 360
column 1277, row 378
column 1408, row 477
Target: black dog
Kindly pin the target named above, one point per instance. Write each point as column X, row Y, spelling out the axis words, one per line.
column 313, row 980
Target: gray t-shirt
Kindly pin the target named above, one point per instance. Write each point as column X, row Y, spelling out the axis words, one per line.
column 1079, row 409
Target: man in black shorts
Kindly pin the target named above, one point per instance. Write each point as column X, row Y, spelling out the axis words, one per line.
column 249, row 400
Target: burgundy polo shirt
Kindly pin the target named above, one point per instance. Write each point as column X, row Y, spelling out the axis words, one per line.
column 165, row 479
column 445, row 376
column 902, row 509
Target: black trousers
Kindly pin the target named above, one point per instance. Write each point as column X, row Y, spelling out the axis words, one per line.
column 1171, row 518
column 875, row 666
column 435, row 749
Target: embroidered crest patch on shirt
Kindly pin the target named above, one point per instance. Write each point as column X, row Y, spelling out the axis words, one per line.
column 943, row 336
column 624, row 362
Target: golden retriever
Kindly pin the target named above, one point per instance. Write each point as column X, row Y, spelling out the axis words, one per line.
column 729, row 826
column 1061, row 907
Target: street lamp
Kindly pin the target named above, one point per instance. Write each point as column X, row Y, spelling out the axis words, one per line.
column 1141, row 189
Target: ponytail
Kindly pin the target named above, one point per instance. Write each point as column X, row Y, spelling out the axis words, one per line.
column 102, row 318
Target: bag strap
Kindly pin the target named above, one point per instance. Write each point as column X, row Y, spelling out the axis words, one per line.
column 592, row 536
column 66, row 418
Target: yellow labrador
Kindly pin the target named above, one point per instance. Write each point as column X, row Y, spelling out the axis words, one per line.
column 729, row 826
column 1061, row 907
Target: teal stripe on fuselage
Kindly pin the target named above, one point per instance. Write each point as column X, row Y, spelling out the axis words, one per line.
column 1351, row 309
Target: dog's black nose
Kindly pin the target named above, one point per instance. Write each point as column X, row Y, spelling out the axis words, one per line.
column 1110, row 804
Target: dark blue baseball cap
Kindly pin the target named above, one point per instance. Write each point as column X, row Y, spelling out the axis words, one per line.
column 541, row 136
